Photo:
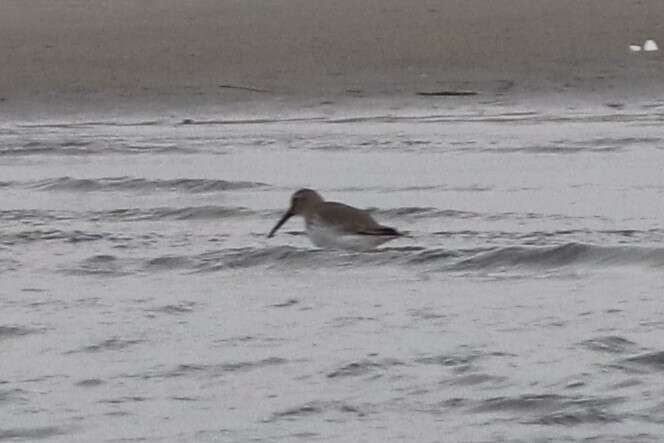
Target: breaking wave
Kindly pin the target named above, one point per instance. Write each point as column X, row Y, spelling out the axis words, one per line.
column 570, row 254
column 502, row 258
column 512, row 259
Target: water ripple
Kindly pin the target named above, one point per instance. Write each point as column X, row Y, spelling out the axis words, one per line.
column 318, row 408
column 111, row 344
column 15, row 331
column 36, row 433
column 610, row 344
column 553, row 409
column 363, row 367
column 71, row 184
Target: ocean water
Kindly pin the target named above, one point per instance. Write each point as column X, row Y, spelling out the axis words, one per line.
column 140, row 299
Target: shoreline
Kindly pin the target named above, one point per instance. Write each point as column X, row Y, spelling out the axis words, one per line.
column 533, row 107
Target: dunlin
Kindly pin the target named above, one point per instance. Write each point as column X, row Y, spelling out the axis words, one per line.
column 336, row 225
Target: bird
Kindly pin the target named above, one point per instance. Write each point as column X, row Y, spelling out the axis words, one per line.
column 333, row 225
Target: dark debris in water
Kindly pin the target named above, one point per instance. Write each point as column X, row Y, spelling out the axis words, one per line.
column 447, row 93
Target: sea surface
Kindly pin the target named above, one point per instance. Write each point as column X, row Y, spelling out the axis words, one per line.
column 140, row 299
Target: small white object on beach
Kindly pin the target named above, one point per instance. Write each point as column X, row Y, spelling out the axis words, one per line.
column 650, row 45
column 635, row 48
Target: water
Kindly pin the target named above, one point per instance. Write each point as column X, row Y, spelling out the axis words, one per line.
column 142, row 301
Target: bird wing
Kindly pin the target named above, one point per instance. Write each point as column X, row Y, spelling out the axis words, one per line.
column 352, row 220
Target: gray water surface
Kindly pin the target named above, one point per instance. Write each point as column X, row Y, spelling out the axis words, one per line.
column 140, row 299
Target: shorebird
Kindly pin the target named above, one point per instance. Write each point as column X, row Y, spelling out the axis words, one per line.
column 336, row 225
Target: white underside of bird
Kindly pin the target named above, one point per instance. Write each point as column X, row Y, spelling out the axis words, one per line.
column 331, row 237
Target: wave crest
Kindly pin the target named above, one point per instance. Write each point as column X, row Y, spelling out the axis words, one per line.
column 512, row 259
column 569, row 254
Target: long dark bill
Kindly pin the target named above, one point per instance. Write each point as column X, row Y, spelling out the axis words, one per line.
column 283, row 220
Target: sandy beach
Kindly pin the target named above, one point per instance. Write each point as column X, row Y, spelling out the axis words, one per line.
column 100, row 53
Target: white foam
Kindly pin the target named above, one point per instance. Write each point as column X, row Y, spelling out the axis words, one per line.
column 650, row 45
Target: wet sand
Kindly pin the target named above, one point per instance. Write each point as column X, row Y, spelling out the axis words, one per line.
column 77, row 54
